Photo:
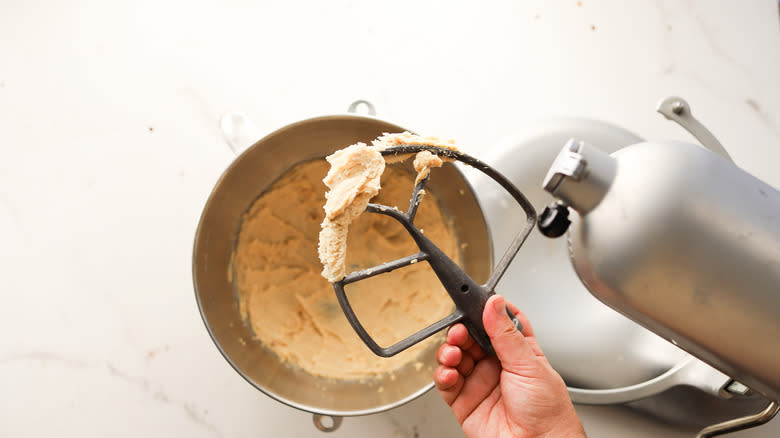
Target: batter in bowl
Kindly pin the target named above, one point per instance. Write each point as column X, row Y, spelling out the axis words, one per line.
column 293, row 310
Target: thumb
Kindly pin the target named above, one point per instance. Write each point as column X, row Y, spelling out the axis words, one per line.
column 512, row 348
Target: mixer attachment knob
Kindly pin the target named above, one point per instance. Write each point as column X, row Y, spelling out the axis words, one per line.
column 554, row 220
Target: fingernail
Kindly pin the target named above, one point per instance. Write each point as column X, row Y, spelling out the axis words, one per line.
column 498, row 305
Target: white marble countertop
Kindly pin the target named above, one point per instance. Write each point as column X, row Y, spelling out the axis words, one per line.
column 110, row 146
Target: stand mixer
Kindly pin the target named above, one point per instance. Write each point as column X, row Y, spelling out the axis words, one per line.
column 680, row 240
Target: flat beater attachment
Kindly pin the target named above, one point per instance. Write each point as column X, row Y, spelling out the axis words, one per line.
column 468, row 296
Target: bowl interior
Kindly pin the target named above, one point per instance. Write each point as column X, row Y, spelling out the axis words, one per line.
column 247, row 177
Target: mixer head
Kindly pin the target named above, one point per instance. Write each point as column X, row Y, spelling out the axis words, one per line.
column 469, row 297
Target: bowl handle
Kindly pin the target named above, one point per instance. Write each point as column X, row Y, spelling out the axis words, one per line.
column 239, row 132
column 370, row 108
column 335, row 422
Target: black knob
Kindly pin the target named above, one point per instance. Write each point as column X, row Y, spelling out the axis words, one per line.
column 554, row 220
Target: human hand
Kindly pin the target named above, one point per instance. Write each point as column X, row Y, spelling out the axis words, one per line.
column 514, row 394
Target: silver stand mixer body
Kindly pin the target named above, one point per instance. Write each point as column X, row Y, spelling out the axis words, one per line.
column 683, row 242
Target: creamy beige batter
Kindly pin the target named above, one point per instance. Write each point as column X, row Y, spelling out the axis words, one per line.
column 293, row 310
column 423, row 163
column 406, row 138
column 353, row 179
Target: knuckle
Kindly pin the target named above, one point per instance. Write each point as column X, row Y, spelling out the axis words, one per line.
column 508, row 330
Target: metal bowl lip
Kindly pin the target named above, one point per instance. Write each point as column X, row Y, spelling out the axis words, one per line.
column 329, row 412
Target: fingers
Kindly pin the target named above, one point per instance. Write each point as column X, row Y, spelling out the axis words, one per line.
column 453, row 357
column 464, row 395
column 446, row 378
column 449, row 355
column 474, row 390
column 513, row 350
column 449, row 383
column 457, row 358
column 459, row 335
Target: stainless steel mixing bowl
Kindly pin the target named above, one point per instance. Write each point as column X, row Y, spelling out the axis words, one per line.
column 244, row 180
